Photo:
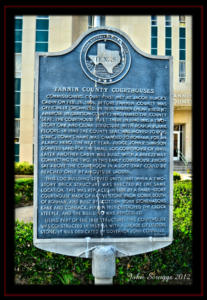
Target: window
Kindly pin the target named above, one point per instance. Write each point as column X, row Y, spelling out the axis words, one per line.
column 16, row 130
column 153, row 35
column 178, row 141
column 16, row 152
column 168, row 21
column 168, row 36
column 17, row 89
column 182, row 49
column 153, row 20
column 18, row 65
column 42, row 29
column 17, row 96
column 103, row 20
column 91, row 21
column 182, row 71
column 182, row 43
column 18, row 34
column 18, row 25
column 182, row 21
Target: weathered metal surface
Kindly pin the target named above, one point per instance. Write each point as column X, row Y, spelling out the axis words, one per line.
column 103, row 150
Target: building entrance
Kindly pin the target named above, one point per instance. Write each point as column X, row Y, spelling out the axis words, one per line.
column 178, row 142
column 176, row 153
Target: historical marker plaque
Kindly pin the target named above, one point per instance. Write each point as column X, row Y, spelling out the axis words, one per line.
column 103, row 148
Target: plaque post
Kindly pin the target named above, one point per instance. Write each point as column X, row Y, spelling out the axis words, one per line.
column 104, row 265
column 103, row 257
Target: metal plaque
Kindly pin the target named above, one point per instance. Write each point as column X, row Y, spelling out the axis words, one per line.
column 103, row 147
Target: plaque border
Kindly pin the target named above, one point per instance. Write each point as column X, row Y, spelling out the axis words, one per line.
column 83, row 247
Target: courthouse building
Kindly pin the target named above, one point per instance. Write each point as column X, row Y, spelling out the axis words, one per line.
column 156, row 35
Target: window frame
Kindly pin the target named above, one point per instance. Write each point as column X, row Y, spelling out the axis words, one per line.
column 91, row 21
column 20, row 31
column 182, row 21
column 16, row 130
column 43, row 42
column 168, row 35
column 153, row 20
column 182, row 73
column 16, row 156
column 182, row 51
column 17, row 92
column 154, row 35
column 168, row 21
